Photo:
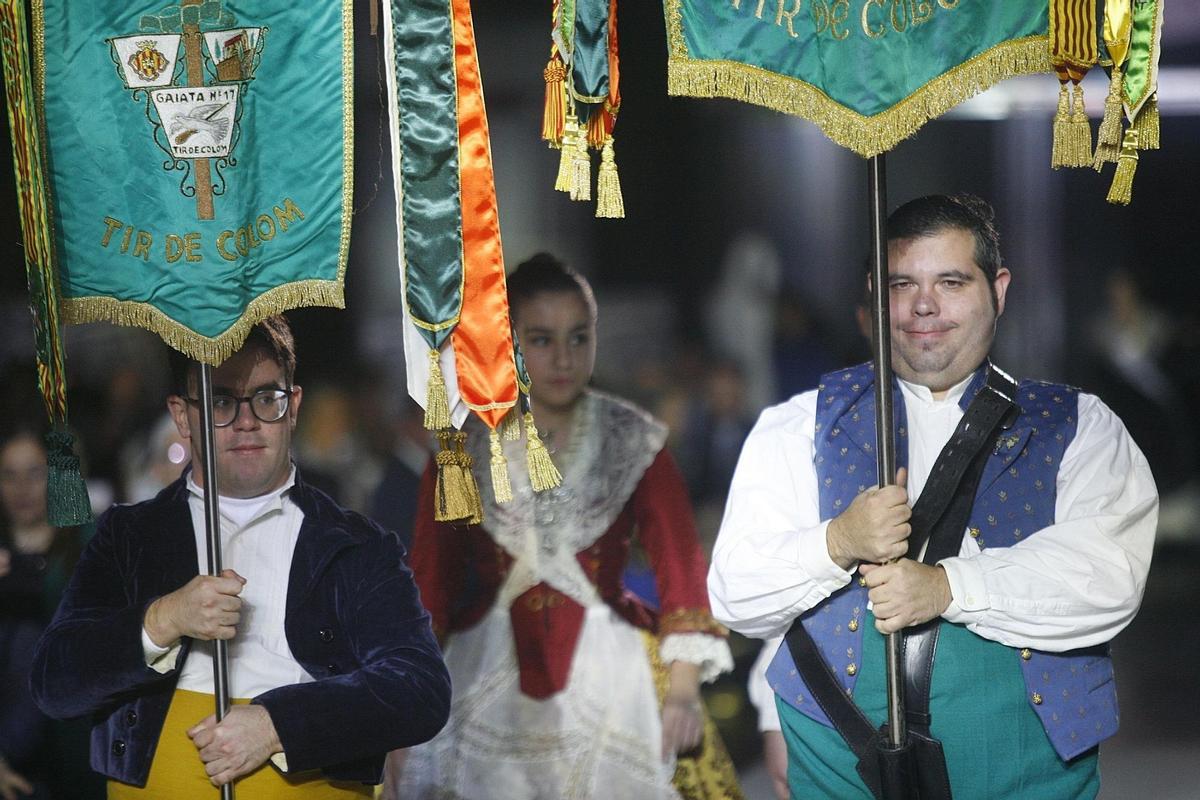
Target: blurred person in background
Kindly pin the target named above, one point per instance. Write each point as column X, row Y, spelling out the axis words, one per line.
column 554, row 662
column 36, row 560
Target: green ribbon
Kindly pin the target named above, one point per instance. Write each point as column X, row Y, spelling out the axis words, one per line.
column 523, row 381
column 589, row 63
column 1142, row 65
column 428, row 138
column 564, row 29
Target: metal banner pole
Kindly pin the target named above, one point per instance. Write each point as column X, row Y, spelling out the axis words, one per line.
column 885, row 444
column 212, row 533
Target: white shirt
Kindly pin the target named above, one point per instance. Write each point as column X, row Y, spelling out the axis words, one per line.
column 258, row 536
column 1073, row 584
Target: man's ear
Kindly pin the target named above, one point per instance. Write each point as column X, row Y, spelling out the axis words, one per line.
column 1000, row 287
column 294, row 405
column 177, row 406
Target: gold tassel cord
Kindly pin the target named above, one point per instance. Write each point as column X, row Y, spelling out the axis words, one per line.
column 581, row 170
column 1146, row 123
column 1058, row 148
column 501, row 485
column 1110, row 127
column 510, row 427
column 1079, row 132
column 543, row 474
column 1121, row 192
column 555, row 76
column 569, row 137
column 451, row 496
column 610, row 204
column 437, row 406
column 472, row 488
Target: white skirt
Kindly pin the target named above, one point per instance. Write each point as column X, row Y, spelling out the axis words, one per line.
column 601, row 737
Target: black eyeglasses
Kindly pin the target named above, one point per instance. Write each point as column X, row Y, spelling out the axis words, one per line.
column 267, row 405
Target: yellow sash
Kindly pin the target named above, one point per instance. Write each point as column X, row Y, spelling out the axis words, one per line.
column 178, row 774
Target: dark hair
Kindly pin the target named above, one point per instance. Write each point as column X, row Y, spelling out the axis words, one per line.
column 545, row 273
column 932, row 214
column 272, row 335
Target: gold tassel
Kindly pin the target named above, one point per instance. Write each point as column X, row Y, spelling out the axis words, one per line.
column 556, row 99
column 1110, row 127
column 510, row 426
column 581, row 170
column 1058, row 149
column 471, row 487
column 566, row 159
column 610, row 204
column 543, row 474
column 1146, row 124
column 501, row 485
column 1079, row 132
column 1121, row 192
column 437, row 406
column 452, row 499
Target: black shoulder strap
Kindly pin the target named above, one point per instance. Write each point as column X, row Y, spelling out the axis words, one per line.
column 939, row 517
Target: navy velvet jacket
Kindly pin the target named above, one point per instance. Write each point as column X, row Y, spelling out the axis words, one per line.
column 354, row 621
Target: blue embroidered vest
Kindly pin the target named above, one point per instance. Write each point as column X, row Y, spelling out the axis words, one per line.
column 1073, row 693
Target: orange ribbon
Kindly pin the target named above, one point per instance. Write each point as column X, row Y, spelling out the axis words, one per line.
column 483, row 346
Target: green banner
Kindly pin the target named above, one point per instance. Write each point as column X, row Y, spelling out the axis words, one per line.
column 200, row 161
column 869, row 72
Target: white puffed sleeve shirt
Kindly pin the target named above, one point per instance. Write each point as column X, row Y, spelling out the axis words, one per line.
column 1073, row 584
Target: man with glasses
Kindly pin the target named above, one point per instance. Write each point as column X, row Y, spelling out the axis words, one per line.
column 332, row 660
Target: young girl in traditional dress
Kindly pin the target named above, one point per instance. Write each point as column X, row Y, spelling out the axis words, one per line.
column 554, row 663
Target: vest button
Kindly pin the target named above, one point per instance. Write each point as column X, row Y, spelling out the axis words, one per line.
column 853, row 626
column 862, row 581
column 851, row 669
column 131, row 718
column 1026, row 654
column 326, row 635
column 118, row 748
column 333, row 669
column 1037, row 699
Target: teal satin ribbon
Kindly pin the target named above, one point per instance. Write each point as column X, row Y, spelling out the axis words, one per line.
column 1142, row 54
column 589, row 64
column 866, row 55
column 428, row 138
column 523, row 381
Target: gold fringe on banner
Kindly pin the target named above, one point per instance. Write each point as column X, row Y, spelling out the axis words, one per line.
column 581, row 169
column 210, row 350
column 566, row 160
column 437, row 405
column 867, row 136
column 1146, row 124
column 610, row 204
column 543, row 474
column 1110, row 128
column 1121, row 192
column 501, row 485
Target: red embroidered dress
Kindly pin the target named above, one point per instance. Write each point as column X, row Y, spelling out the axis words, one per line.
column 553, row 694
